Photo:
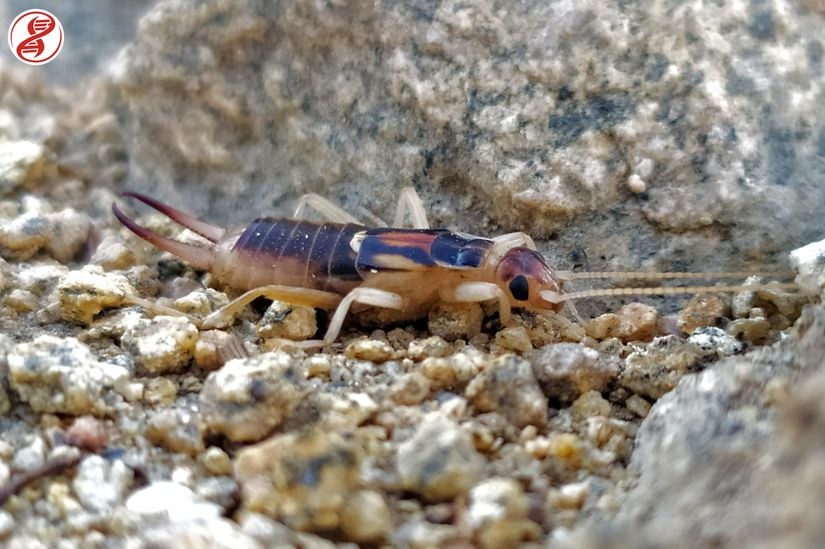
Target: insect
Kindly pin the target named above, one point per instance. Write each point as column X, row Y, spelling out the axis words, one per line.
column 341, row 263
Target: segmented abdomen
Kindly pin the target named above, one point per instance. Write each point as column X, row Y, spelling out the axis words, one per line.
column 295, row 253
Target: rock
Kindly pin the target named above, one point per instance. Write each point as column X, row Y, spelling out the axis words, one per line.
column 638, row 405
column 21, row 164
column 452, row 321
column 60, row 234
column 525, row 140
column 567, row 370
column 366, row 517
column 372, row 350
column 431, row 347
column 715, row 341
column 703, row 310
column 508, row 387
column 714, row 469
column 60, row 375
column 590, row 404
column 113, row 254
column 410, row 389
column 84, row 293
column 303, row 479
column 216, row 461
column 101, row 484
column 218, row 533
column 213, row 348
column 755, row 329
column 514, row 338
column 283, row 320
column 164, row 501
column 247, row 398
column 633, row 322
column 656, row 369
column 161, row 345
column 30, row 457
column 439, row 461
column 175, row 429
column 809, row 262
column 497, row 513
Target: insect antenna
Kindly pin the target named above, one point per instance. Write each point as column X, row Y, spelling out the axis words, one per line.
column 558, row 297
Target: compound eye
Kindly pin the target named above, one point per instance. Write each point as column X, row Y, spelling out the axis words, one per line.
column 520, row 288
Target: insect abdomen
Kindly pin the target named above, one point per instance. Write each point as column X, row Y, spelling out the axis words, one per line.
column 294, row 253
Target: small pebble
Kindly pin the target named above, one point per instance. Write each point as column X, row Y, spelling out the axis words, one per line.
column 165, row 500
column 497, row 512
column 655, row 369
column 439, row 461
column 177, row 430
column 633, row 322
column 6, row 523
column 372, row 350
column 366, row 517
column 410, row 389
column 21, row 164
column 514, row 338
column 753, row 330
column 590, row 404
column 112, row 254
column 87, row 433
column 302, row 478
column 452, row 321
column 163, row 344
column 283, row 320
column 30, row 457
column 216, row 461
column 509, row 387
column 637, row 405
column 567, row 370
column 701, row 311
column 101, row 484
column 431, row 347
column 247, row 398
column 84, row 293
column 60, row 375
column 567, row 447
column 212, row 349
column 809, row 261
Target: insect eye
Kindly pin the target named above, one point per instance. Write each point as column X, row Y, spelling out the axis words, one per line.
column 520, row 288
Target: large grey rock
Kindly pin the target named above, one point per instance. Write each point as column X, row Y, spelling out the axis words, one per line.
column 732, row 456
column 692, row 117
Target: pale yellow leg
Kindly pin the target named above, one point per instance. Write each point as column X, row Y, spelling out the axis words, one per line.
column 330, row 211
column 409, row 203
column 290, row 294
column 365, row 296
column 481, row 291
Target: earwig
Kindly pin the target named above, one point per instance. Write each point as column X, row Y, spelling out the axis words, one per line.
column 340, row 264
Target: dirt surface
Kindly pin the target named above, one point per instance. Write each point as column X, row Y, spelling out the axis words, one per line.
column 616, row 141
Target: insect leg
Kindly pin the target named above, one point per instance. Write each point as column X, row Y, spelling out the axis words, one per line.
column 511, row 240
column 332, row 212
column 409, row 203
column 365, row 296
column 480, row 291
column 290, row 294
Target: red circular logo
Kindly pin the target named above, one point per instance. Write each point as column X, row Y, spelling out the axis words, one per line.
column 35, row 37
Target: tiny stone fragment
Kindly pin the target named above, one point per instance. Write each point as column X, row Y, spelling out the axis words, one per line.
column 84, row 293
column 439, row 461
column 213, row 348
column 372, row 350
column 509, row 387
column 410, row 389
column 21, row 164
column 701, row 311
column 283, row 320
column 590, row 404
column 301, row 478
column 514, row 338
column 177, row 430
column 715, row 341
column 162, row 344
column 101, row 484
column 566, row 370
column 366, row 517
column 216, row 461
column 498, row 514
column 452, row 321
column 656, row 369
column 809, row 262
column 247, row 398
column 633, row 322
column 60, row 375
column 637, row 405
